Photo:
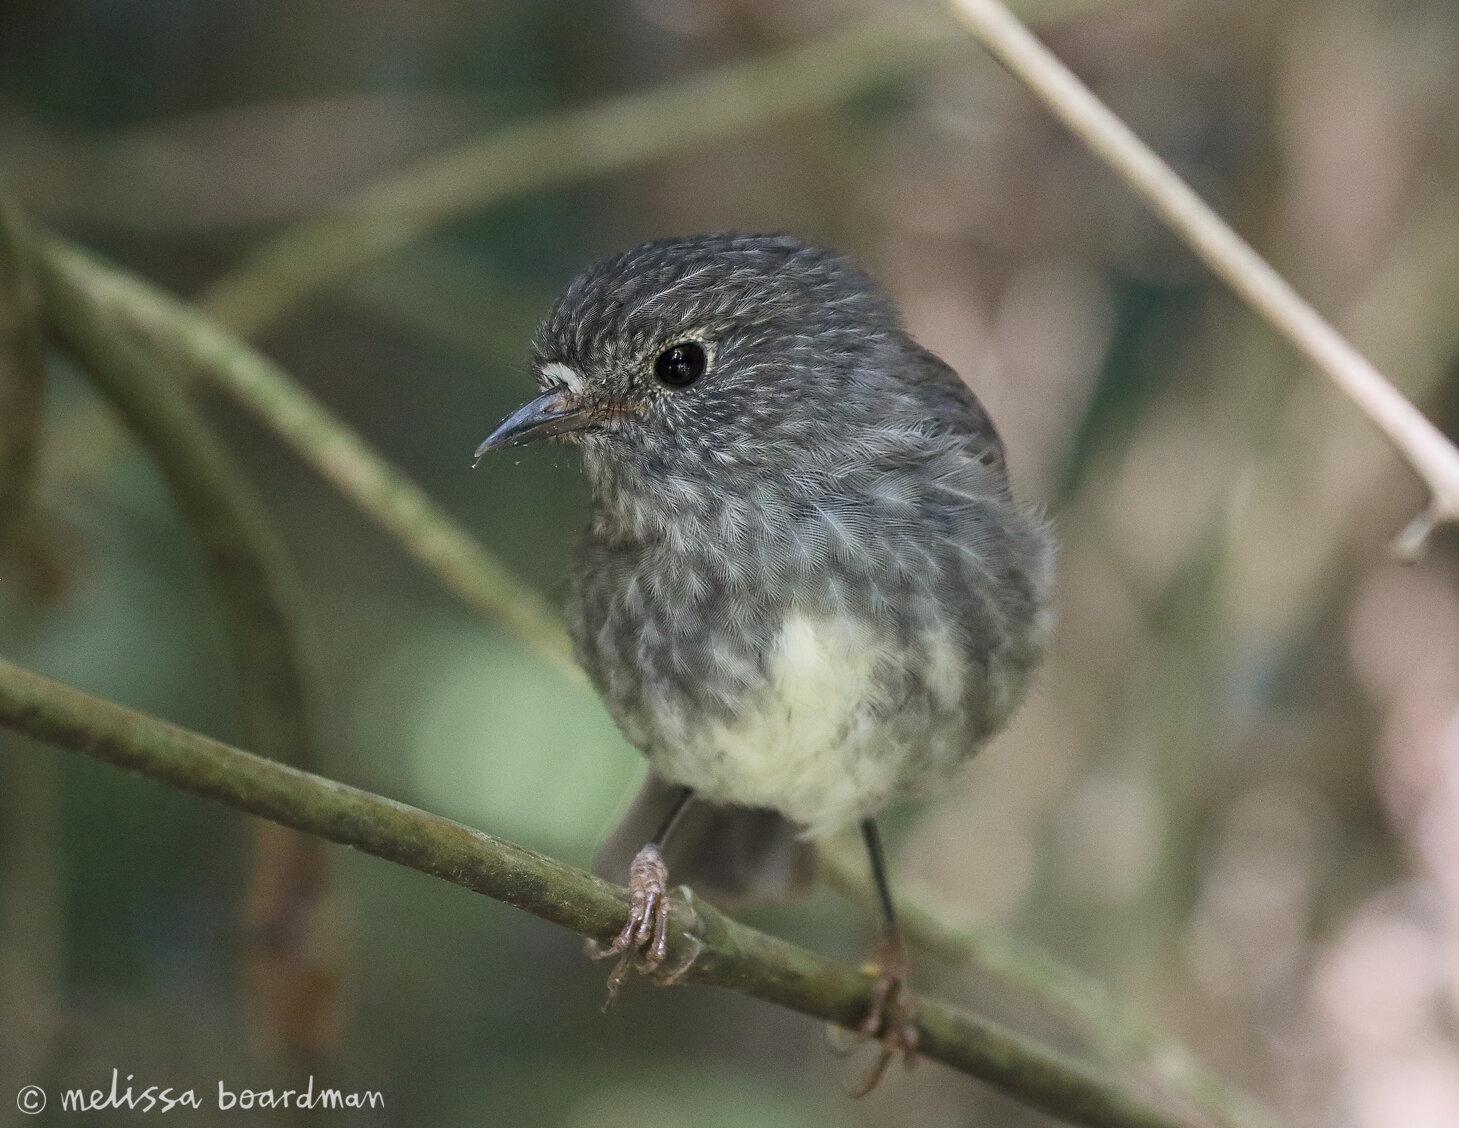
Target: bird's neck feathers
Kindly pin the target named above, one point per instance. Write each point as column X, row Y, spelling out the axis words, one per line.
column 649, row 496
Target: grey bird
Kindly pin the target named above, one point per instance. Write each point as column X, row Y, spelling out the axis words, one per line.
column 807, row 590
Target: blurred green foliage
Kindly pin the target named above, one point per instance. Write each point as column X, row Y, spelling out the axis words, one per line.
column 1191, row 807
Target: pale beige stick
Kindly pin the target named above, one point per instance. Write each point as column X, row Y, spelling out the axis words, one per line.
column 1425, row 447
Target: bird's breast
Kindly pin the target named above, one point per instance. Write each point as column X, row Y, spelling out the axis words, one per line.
column 820, row 655
column 822, row 711
column 847, row 718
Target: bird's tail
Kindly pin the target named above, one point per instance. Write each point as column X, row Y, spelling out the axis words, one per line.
column 731, row 855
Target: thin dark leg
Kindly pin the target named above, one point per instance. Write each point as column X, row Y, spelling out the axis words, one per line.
column 879, row 877
column 666, row 828
column 891, row 1019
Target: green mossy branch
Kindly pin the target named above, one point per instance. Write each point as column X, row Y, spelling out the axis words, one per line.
column 244, row 556
column 187, row 342
column 1111, row 1031
column 724, row 953
column 197, row 345
column 289, row 954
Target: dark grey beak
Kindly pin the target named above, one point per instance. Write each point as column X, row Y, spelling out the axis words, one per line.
column 555, row 412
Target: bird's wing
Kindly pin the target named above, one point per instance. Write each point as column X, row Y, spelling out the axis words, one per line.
column 950, row 402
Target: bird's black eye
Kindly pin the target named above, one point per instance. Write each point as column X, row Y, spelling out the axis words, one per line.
column 680, row 365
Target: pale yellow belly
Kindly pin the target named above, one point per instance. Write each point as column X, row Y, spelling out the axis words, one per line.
column 823, row 743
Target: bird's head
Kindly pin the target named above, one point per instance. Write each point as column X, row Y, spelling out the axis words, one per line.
column 688, row 360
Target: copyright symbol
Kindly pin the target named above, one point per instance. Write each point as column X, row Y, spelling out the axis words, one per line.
column 31, row 1100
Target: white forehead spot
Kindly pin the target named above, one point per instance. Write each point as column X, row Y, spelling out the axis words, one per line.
column 558, row 373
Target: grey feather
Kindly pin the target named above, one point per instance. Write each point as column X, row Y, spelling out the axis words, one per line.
column 807, row 586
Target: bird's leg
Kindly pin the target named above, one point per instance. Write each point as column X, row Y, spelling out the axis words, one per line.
column 892, row 1021
column 645, row 935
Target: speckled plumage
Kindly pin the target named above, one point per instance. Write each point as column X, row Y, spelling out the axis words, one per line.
column 806, row 585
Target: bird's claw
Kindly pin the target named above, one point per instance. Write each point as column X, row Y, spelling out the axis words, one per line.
column 644, row 939
column 892, row 1019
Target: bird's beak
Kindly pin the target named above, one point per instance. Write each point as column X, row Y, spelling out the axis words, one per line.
column 555, row 412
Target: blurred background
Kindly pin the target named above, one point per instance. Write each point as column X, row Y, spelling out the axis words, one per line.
column 1233, row 796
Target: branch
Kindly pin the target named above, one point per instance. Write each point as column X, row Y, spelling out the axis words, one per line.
column 202, row 346
column 30, row 900
column 1116, row 1033
column 293, row 954
column 602, row 138
column 1424, row 446
column 382, row 493
column 724, row 953
column 245, row 558
column 22, row 369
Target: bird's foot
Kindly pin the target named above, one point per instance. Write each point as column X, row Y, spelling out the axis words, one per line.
column 645, row 937
column 892, row 1019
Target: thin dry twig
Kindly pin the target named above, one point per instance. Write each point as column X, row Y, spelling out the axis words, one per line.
column 705, row 946
column 1424, row 446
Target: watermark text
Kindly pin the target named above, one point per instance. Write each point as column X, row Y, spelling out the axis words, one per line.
column 140, row 1097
